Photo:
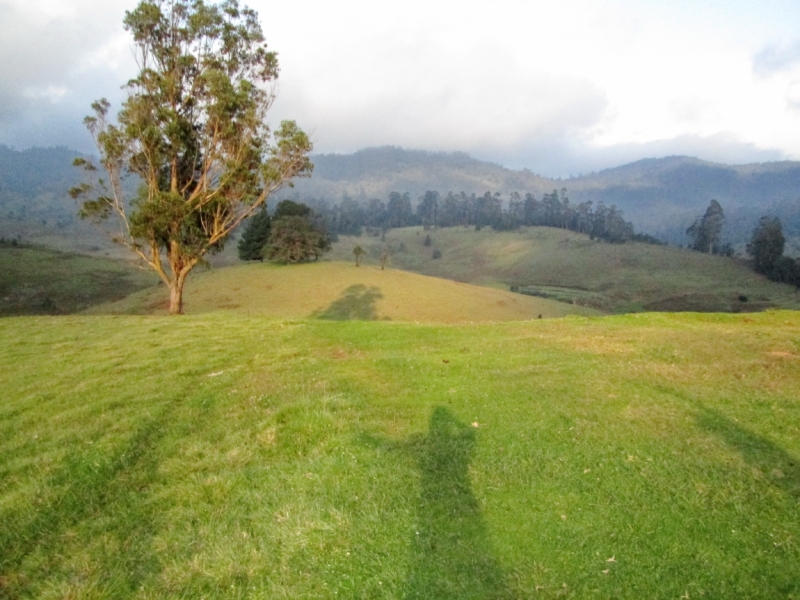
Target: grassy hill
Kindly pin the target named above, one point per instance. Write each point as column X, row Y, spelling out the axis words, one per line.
column 570, row 267
column 35, row 280
column 640, row 456
column 340, row 291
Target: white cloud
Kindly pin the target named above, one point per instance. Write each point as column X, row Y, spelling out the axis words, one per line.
column 528, row 82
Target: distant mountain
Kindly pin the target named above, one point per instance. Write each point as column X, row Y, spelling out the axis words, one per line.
column 374, row 172
column 34, row 200
column 661, row 196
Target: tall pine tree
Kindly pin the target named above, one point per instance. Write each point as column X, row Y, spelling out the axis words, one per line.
column 767, row 243
column 705, row 231
column 255, row 236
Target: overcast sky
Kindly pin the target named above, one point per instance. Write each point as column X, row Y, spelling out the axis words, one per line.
column 561, row 87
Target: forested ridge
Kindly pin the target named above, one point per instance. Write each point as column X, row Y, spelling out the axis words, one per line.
column 661, row 197
column 554, row 209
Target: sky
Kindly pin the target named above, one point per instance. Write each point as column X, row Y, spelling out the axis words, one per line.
column 559, row 87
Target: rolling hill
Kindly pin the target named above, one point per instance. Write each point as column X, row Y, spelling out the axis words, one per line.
column 570, row 267
column 340, row 291
column 36, row 280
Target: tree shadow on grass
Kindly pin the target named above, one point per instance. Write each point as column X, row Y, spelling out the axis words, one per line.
column 451, row 556
column 357, row 303
column 779, row 467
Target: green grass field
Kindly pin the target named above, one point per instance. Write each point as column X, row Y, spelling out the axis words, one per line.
column 226, row 456
column 567, row 266
column 342, row 291
column 36, row 280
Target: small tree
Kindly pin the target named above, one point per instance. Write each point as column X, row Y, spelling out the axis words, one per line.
column 193, row 130
column 766, row 244
column 359, row 252
column 705, row 231
column 295, row 239
column 255, row 236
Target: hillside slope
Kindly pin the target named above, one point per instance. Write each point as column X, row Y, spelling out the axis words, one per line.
column 35, row 280
column 569, row 266
column 340, row 291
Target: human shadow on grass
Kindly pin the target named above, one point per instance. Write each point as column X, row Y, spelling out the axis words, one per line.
column 357, row 303
column 451, row 556
column 779, row 467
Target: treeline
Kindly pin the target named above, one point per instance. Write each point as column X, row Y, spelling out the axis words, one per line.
column 766, row 249
column 350, row 217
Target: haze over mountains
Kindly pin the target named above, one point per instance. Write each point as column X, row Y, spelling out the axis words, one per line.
column 661, row 196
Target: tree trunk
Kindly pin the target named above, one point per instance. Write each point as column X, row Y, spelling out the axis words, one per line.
column 176, row 297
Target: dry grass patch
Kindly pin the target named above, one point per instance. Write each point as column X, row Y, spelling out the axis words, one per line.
column 341, row 291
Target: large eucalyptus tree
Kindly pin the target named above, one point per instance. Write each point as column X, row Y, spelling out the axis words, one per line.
column 193, row 130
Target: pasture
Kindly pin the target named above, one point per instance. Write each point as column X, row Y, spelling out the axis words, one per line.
column 226, row 456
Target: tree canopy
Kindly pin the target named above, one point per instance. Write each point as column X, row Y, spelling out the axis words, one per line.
column 255, row 236
column 296, row 238
column 766, row 245
column 193, row 129
column 601, row 222
column 705, row 231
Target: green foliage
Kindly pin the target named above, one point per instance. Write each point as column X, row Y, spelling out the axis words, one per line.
column 255, row 237
column 428, row 208
column 193, row 129
column 785, row 270
column 766, row 244
column 295, row 239
column 289, row 208
column 437, row 254
column 554, row 210
column 705, row 231
column 427, row 241
column 358, row 251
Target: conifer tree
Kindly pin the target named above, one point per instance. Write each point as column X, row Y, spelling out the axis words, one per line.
column 766, row 244
column 705, row 231
column 255, row 236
